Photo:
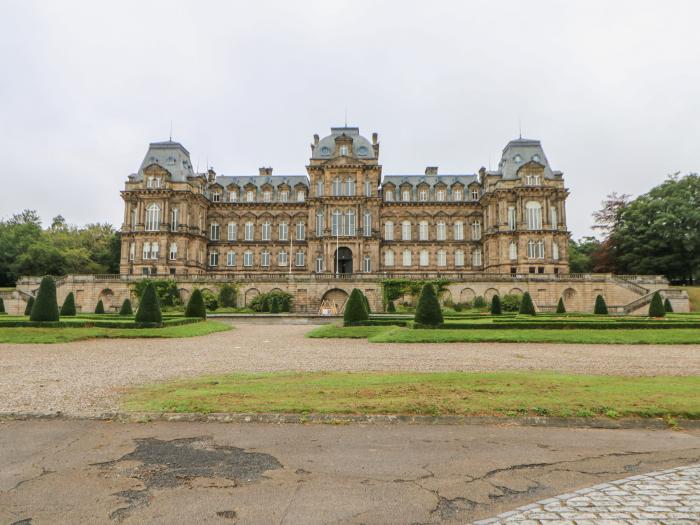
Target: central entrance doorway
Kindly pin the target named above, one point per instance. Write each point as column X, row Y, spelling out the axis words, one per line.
column 342, row 260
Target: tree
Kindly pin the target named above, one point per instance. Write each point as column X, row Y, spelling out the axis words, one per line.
column 100, row 308
column 195, row 306
column 391, row 307
column 581, row 254
column 126, row 308
column 561, row 309
column 68, row 307
column 511, row 302
column 496, row 305
column 479, row 302
column 30, row 305
column 355, row 311
column 46, row 307
column 656, row 307
column 667, row 306
column 274, row 306
column 600, row 307
column 608, row 220
column 149, row 307
column 527, row 307
column 227, row 296
column 428, row 312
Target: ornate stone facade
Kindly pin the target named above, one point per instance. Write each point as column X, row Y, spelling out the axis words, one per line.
column 344, row 217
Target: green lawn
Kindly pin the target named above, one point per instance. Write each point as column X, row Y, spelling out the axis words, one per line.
column 63, row 335
column 383, row 334
column 492, row 393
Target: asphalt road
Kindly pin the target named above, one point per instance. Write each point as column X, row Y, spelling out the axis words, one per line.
column 85, row 471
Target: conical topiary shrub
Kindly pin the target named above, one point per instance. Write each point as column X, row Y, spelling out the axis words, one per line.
column 274, row 306
column 30, row 305
column 656, row 308
column 195, row 306
column 391, row 307
column 126, row 308
column 561, row 309
column 600, row 307
column 45, row 307
column 2, row 306
column 428, row 312
column 355, row 311
column 366, row 301
column 149, row 307
column 667, row 306
column 100, row 308
column 496, row 305
column 68, row 307
column 527, row 307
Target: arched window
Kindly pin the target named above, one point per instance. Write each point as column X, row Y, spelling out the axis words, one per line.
column 406, row 231
column 511, row 218
column 424, row 258
column 389, row 258
column 319, row 224
column 367, row 224
column 459, row 258
column 441, row 258
column 422, row 231
column 146, row 251
column 368, row 188
column 283, row 231
column 174, row 217
column 513, row 251
column 459, row 231
column 336, row 223
column 173, row 251
column 336, row 187
column 153, row 217
column 350, row 223
column 441, row 231
column 249, row 231
column 534, row 215
column 266, row 231
column 350, row 187
column 388, row 231
column 407, row 258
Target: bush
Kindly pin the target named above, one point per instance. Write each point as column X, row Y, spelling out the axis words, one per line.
column 428, row 311
column 210, row 300
column 561, row 309
column 30, row 305
column 479, row 302
column 100, row 308
column 458, row 307
column 667, row 306
column 656, row 307
column 2, row 306
column 227, row 296
column 391, row 307
column 496, row 305
column 600, row 307
column 527, row 307
column 195, row 306
column 126, row 308
column 166, row 290
column 355, row 310
column 511, row 302
column 274, row 306
column 149, row 307
column 68, row 307
column 262, row 302
column 366, row 301
column 45, row 307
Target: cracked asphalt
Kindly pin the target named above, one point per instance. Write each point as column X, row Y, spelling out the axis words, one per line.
column 85, row 471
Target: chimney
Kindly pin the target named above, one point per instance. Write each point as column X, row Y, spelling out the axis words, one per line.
column 265, row 172
column 375, row 137
column 431, row 170
column 211, row 175
column 316, row 139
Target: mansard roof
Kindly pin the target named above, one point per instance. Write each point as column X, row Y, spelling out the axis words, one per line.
column 361, row 147
column 169, row 155
column 431, row 180
column 519, row 152
column 260, row 180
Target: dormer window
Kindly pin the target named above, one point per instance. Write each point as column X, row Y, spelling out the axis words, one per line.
column 300, row 195
column 406, row 195
column 423, row 195
column 233, row 196
column 344, row 150
column 517, row 158
column 532, row 180
column 457, row 195
column 440, row 195
column 284, row 196
column 267, row 196
column 389, row 195
column 536, row 157
column 475, row 194
column 250, row 196
column 216, row 197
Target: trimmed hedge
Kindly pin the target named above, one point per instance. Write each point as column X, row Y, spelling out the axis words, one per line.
column 568, row 325
column 355, row 311
column 561, row 309
column 600, row 307
column 656, row 307
column 45, row 307
column 527, row 307
column 428, row 312
column 100, row 308
column 195, row 306
column 667, row 306
column 68, row 308
column 149, row 307
column 496, row 305
column 30, row 305
column 126, row 308
column 90, row 323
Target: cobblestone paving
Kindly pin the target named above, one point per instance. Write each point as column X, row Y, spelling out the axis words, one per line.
column 667, row 497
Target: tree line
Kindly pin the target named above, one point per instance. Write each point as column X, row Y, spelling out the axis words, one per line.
column 26, row 248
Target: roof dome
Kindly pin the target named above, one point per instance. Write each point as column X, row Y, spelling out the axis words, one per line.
column 361, row 147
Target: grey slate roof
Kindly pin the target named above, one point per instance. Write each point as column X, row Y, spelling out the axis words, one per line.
column 519, row 152
column 361, row 147
column 169, row 155
column 431, row 180
column 260, row 180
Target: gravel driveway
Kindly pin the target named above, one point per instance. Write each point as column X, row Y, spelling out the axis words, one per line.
column 84, row 378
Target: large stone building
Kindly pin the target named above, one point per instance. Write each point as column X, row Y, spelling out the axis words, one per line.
column 344, row 216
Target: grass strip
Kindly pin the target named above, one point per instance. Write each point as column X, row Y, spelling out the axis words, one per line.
column 437, row 393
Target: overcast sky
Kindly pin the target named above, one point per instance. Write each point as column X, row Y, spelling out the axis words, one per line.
column 612, row 89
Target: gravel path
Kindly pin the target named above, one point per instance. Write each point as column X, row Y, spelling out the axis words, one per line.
column 84, row 378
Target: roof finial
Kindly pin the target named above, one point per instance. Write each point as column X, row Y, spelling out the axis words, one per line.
column 520, row 128
column 171, row 130
column 346, row 116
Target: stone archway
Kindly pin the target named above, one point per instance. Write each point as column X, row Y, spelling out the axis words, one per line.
column 107, row 298
column 515, row 291
column 334, row 301
column 569, row 297
column 446, row 297
column 466, row 295
column 250, row 294
column 342, row 260
column 488, row 294
column 184, row 294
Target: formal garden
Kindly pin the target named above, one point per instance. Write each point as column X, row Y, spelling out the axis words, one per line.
column 511, row 319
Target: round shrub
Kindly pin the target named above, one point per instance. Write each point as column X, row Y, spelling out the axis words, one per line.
column 561, row 309
column 45, row 307
column 527, row 307
column 274, row 306
column 600, row 307
column 68, row 308
column 100, row 308
column 656, row 307
column 149, row 307
column 126, row 308
column 355, row 311
column 428, row 312
column 195, row 306
column 227, row 296
column 30, row 305
column 496, row 305
column 511, row 302
column 667, row 306
column 391, row 307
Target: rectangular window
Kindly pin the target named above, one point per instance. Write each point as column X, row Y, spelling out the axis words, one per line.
column 350, row 223
column 406, row 195
column 406, row 259
column 476, row 230
column 476, row 258
column 248, row 259
column 214, row 259
column 216, row 196
column 422, row 231
column 232, row 231
column 440, row 195
column 301, row 231
column 424, row 258
column 350, row 185
column 154, row 250
column 249, row 229
column 553, row 218
column 459, row 258
column 231, row 259
column 368, row 188
column 299, row 259
column 336, row 220
column 389, row 231
column 265, row 259
column 367, row 264
column 173, row 251
column 146, row 250
column 475, row 194
column 389, row 195
column 388, row 258
column 459, row 231
column 132, row 251
column 406, row 231
column 457, row 195
column 250, row 196
column 319, row 189
column 367, row 224
column 283, row 231
column 214, row 232
column 267, row 196
column 336, row 187
column 319, row 225
column 282, row 258
column 174, row 216
column 300, row 195
column 511, row 217
column 284, row 196
column 133, row 219
column 423, row 195
column 233, row 196
column 441, row 258
column 266, row 229
column 441, row 231
column 319, row 264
